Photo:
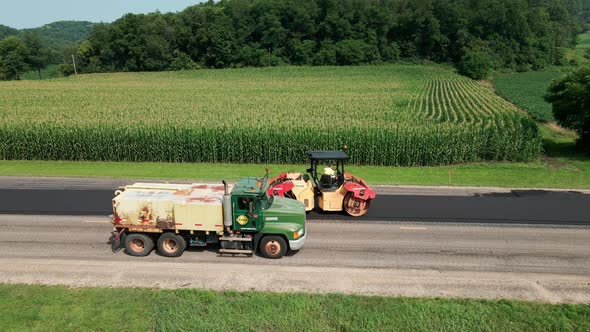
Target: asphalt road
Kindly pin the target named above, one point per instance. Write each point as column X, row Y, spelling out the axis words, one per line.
column 514, row 207
column 545, row 263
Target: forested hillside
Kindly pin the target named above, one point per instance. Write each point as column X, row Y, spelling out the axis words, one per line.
column 56, row 36
column 6, row 31
column 518, row 34
column 63, row 34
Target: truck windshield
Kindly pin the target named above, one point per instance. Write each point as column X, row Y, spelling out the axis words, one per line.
column 265, row 198
column 269, row 199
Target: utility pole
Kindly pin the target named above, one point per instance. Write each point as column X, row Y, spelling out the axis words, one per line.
column 74, row 61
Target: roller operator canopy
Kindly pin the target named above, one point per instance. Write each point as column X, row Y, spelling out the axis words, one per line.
column 327, row 155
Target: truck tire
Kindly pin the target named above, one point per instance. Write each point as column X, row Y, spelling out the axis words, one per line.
column 137, row 244
column 171, row 245
column 273, row 246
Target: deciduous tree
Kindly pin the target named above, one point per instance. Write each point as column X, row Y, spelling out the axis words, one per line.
column 13, row 56
column 570, row 97
column 38, row 54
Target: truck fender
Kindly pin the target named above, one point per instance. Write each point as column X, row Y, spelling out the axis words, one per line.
column 359, row 191
column 280, row 189
column 285, row 230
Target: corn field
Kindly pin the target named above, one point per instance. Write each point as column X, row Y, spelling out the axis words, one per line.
column 386, row 115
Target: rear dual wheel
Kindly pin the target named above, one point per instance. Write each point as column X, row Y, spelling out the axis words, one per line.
column 137, row 244
column 355, row 207
column 171, row 245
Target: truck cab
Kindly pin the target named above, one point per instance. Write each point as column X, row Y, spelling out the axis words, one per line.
column 255, row 212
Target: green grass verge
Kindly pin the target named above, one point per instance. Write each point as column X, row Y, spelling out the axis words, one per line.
column 42, row 308
column 553, row 173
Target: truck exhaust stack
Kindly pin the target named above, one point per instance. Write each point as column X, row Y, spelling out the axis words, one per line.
column 227, row 210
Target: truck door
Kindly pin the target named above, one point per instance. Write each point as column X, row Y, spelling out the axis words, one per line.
column 245, row 214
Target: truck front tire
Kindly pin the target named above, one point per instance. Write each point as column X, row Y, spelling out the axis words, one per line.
column 171, row 245
column 137, row 244
column 273, row 246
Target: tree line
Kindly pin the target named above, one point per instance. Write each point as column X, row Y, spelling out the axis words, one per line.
column 33, row 49
column 570, row 99
column 21, row 54
column 477, row 35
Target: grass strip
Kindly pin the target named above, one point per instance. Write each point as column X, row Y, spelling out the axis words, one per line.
column 558, row 173
column 31, row 307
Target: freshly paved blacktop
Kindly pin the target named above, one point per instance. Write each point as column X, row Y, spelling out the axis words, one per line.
column 69, row 196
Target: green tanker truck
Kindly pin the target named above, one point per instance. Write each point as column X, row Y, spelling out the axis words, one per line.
column 172, row 217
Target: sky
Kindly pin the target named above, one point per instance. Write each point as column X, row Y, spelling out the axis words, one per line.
column 22, row 14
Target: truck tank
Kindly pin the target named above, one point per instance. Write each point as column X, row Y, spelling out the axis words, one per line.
column 197, row 207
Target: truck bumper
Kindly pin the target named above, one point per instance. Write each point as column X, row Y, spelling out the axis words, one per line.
column 298, row 244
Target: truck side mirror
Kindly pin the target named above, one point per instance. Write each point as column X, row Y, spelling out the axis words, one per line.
column 251, row 208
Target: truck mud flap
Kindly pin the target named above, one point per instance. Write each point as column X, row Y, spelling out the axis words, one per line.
column 116, row 240
column 256, row 241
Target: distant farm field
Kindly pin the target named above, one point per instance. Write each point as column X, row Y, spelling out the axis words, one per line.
column 583, row 41
column 527, row 90
column 579, row 55
column 387, row 115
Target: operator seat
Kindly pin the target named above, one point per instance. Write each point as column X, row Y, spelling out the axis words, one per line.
column 326, row 182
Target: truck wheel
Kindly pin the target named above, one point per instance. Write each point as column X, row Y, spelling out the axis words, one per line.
column 171, row 245
column 137, row 244
column 273, row 246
